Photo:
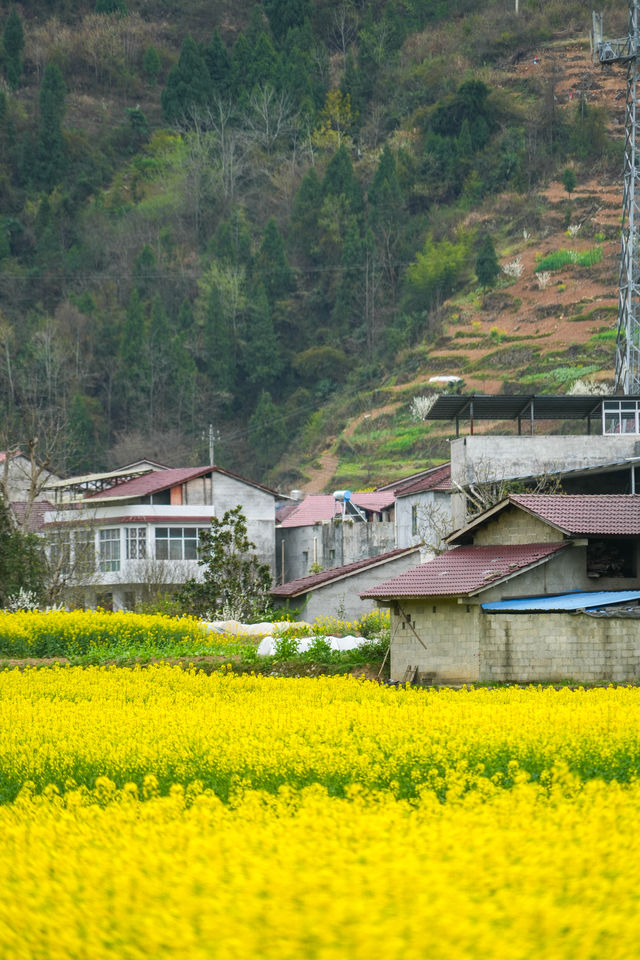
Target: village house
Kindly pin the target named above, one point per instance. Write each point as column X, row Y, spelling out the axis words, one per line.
column 138, row 532
column 536, row 588
column 336, row 592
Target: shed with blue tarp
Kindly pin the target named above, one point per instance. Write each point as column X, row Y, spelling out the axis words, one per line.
column 577, row 600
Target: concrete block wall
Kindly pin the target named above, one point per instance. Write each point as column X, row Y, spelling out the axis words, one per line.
column 465, row 645
column 559, row 646
column 450, row 633
column 515, row 526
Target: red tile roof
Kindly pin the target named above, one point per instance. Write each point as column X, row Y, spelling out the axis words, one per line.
column 318, row 507
column 34, row 522
column 465, row 570
column 303, row 584
column 399, row 486
column 438, row 479
column 159, row 480
column 586, row 514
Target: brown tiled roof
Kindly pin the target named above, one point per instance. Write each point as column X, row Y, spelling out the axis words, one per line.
column 586, row 514
column 400, row 485
column 437, row 479
column 322, row 506
column 158, row 480
column 465, row 570
column 34, row 522
column 303, row 584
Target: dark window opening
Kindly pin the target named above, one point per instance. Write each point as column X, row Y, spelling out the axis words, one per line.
column 611, row 558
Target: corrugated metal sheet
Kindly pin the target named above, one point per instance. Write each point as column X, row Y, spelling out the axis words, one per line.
column 563, row 601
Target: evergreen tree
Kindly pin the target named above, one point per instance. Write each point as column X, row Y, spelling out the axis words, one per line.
column 50, row 159
column 284, row 15
column 347, row 309
column 111, row 6
column 271, row 266
column 218, row 64
column 240, row 65
column 159, row 363
column 133, row 371
column 188, row 86
column 219, row 347
column 22, row 562
column 264, row 64
column 267, row 431
column 304, row 218
column 262, row 359
column 569, row 180
column 185, row 317
column 144, row 270
column 13, row 44
column 232, row 241
column 151, row 64
column 234, row 581
column 87, row 433
column 340, row 181
column 487, row 266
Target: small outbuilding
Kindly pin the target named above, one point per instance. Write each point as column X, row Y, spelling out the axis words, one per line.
column 538, row 588
column 337, row 592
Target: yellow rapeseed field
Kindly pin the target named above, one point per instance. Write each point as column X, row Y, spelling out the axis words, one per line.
column 165, row 813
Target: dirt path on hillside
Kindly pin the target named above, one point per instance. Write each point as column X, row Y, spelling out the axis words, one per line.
column 322, row 474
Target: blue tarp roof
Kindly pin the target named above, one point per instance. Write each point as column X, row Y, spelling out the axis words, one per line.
column 562, row 601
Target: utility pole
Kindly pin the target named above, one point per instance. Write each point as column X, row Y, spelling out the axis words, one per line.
column 212, row 436
column 625, row 50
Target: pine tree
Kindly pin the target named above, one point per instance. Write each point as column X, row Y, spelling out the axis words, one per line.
column 13, row 44
column 218, row 64
column 487, row 266
column 50, row 160
column 304, row 218
column 151, row 64
column 340, row 181
column 262, row 359
column 271, row 265
column 267, row 431
column 219, row 348
column 188, row 86
column 264, row 66
column 284, row 15
column 111, row 6
column 144, row 270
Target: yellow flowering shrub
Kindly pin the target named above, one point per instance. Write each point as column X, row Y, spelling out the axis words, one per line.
column 164, row 813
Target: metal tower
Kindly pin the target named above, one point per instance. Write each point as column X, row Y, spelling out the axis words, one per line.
column 625, row 50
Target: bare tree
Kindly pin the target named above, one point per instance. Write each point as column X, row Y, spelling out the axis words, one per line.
column 270, row 117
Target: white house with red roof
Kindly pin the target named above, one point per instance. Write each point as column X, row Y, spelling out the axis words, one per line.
column 141, row 533
column 538, row 588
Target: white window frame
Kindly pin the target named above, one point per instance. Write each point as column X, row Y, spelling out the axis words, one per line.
column 620, row 417
column 176, row 542
column 109, row 549
column 136, row 543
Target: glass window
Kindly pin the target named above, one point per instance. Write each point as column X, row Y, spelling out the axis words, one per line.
column 620, row 416
column 60, row 551
column 110, row 549
column 136, row 543
column 84, row 545
column 177, row 543
column 414, row 521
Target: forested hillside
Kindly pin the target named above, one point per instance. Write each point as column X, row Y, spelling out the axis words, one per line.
column 253, row 216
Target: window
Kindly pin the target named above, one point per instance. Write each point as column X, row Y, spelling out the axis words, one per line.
column 84, row 548
column 110, row 549
column 305, row 559
column 60, row 551
column 620, row 416
column 177, row 543
column 332, row 555
column 414, row 521
column 611, row 558
column 136, row 543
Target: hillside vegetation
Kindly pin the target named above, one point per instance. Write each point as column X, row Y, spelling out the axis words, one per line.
column 267, row 218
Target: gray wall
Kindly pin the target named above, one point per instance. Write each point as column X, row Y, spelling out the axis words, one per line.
column 434, row 518
column 349, row 541
column 342, row 597
column 258, row 507
column 484, row 458
column 462, row 644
